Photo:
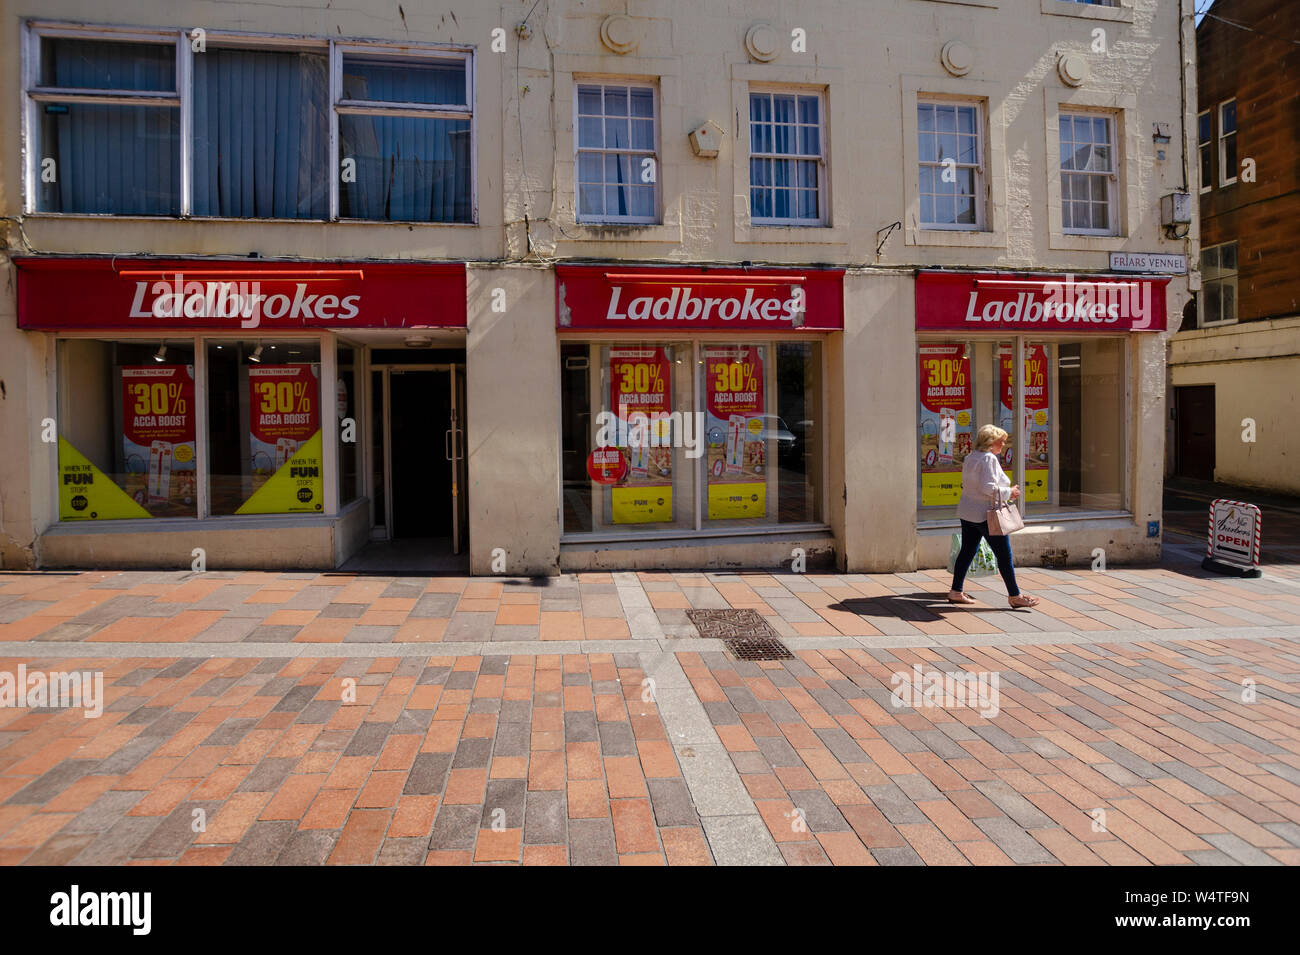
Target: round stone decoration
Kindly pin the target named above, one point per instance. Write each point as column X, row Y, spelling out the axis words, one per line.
column 763, row 42
column 957, row 58
column 620, row 33
column 1073, row 69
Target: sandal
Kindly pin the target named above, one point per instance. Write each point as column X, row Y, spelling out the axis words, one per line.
column 961, row 598
column 1023, row 600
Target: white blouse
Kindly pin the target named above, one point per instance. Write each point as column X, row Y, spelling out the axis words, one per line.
column 982, row 481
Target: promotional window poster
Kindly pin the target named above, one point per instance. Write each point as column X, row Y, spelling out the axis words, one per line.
column 947, row 425
column 734, row 432
column 1037, row 423
column 640, row 382
column 284, row 440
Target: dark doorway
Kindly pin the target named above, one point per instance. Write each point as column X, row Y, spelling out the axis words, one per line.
column 420, row 409
column 1194, row 421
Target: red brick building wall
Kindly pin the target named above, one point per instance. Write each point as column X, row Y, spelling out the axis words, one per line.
column 1258, row 63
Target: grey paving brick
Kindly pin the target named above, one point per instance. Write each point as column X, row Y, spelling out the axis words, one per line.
column 842, row 746
column 411, row 722
column 472, row 754
column 750, row 762
column 275, row 633
column 1020, row 846
column 456, row 827
column 616, row 739
column 778, row 751
column 229, row 732
column 308, row 847
column 53, row 781
column 1020, row 809
column 513, row 739
column 1237, row 848
column 900, row 855
column 115, row 845
column 318, row 711
column 580, row 727
column 895, row 804
column 916, row 786
column 61, row 848
column 296, row 699
column 175, row 833
column 545, row 818
column 346, row 611
column 508, row 796
column 672, row 803
column 369, row 739
column 820, row 814
column 428, row 774
column 268, row 775
column 516, row 711
column 263, row 843
column 405, row 851
column 591, row 842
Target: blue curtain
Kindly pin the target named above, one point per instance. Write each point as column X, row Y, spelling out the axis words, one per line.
column 407, row 168
column 122, row 160
column 261, row 134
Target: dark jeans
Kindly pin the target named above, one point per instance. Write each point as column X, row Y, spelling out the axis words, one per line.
column 970, row 545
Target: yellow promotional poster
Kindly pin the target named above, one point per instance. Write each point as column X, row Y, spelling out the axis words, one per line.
column 940, row 487
column 88, row 494
column 297, row 486
column 737, row 500
column 642, row 505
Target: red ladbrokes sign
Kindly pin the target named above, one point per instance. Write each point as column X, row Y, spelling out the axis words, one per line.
column 178, row 294
column 992, row 302
column 657, row 299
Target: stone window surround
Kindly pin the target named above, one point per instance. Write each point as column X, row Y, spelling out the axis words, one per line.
column 1123, row 109
column 993, row 215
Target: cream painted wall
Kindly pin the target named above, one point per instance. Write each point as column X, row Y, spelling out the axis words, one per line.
column 1255, row 370
column 876, row 424
column 513, row 396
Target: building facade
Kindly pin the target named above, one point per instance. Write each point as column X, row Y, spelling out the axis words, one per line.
column 621, row 285
column 1235, row 363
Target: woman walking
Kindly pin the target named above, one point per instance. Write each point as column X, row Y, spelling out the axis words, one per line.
column 982, row 482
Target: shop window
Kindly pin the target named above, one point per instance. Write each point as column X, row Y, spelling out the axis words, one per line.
column 412, row 165
column 264, row 435
column 1218, row 295
column 126, row 441
column 1205, row 147
column 1228, row 143
column 617, row 173
column 709, row 435
column 950, row 151
column 109, row 128
column 349, row 430
column 261, row 134
column 787, row 159
column 1088, row 177
column 1072, row 437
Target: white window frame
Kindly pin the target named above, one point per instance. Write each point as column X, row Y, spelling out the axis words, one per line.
column 183, row 98
column 1203, row 147
column 653, row 153
column 1218, row 276
column 822, row 218
column 1225, row 180
column 1111, row 178
column 981, row 189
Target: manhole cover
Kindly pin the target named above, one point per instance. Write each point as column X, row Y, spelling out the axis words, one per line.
column 731, row 624
column 759, row 648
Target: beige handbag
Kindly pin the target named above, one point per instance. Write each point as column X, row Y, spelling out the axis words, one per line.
column 1004, row 519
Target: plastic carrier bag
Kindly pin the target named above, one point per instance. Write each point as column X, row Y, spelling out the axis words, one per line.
column 984, row 564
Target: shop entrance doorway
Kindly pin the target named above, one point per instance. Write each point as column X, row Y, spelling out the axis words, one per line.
column 419, row 455
column 1194, row 420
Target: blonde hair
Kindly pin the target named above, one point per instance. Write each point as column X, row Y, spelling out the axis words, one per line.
column 988, row 436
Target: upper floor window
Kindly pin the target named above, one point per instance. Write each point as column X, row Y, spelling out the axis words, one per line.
column 1204, row 143
column 267, row 136
column 950, row 152
column 1228, row 142
column 1088, row 178
column 1218, row 304
column 787, row 159
column 617, row 176
column 107, row 117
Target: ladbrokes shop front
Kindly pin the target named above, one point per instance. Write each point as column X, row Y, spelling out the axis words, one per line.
column 228, row 413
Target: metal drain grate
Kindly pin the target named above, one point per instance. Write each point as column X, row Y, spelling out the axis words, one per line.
column 760, row 648
column 731, row 624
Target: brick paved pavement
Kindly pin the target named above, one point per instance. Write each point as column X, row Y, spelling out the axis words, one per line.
column 580, row 720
